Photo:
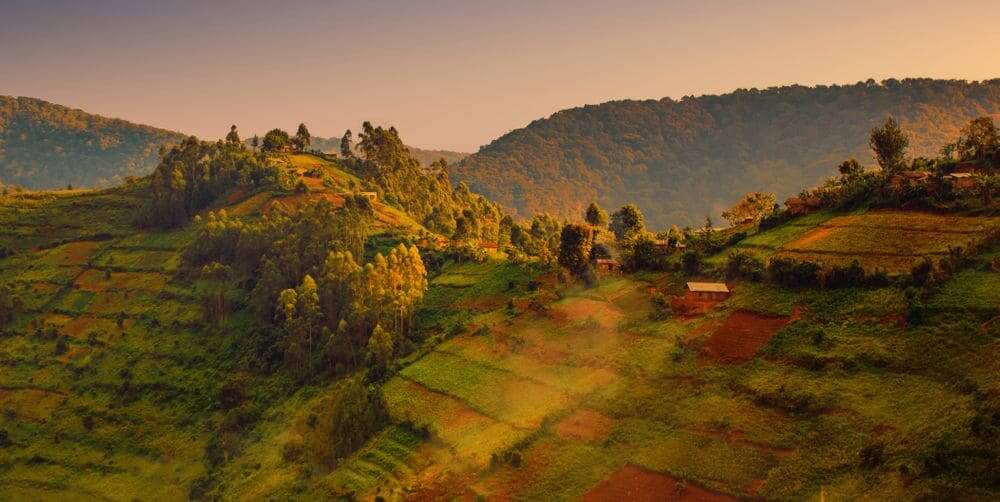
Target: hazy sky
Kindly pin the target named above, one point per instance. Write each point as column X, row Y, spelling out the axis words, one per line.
column 458, row 74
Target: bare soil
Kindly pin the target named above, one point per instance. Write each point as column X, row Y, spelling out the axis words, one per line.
column 585, row 425
column 637, row 484
column 741, row 336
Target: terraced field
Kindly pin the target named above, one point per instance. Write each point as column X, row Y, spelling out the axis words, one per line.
column 889, row 240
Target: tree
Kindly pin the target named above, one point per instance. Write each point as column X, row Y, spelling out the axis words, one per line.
column 753, row 205
column 596, row 216
column 379, row 347
column 889, row 143
column 346, row 145
column 275, row 140
column 302, row 138
column 850, row 169
column 233, row 138
column 627, row 221
column 979, row 138
column 255, row 142
column 987, row 184
column 575, row 243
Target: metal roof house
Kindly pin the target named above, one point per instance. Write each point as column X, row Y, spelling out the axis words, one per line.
column 716, row 291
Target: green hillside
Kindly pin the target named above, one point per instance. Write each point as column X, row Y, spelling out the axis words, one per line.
column 245, row 325
column 44, row 145
column 681, row 160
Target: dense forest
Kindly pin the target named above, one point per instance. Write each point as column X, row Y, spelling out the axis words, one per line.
column 44, row 145
column 680, row 160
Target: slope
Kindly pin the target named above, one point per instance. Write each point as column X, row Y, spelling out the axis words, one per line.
column 683, row 160
column 44, row 145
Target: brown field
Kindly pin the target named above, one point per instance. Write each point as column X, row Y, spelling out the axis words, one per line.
column 82, row 326
column 741, row 336
column 71, row 254
column 585, row 425
column 31, row 404
column 637, row 484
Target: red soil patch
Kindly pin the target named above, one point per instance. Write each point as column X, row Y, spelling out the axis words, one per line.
column 585, row 425
column 637, row 484
column 481, row 303
column 236, row 196
column 741, row 336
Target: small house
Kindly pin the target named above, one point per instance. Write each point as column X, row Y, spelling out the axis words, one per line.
column 961, row 181
column 489, row 246
column 800, row 205
column 967, row 167
column 372, row 196
column 707, row 291
column 608, row 266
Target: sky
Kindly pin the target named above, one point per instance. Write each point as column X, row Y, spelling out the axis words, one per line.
column 458, row 74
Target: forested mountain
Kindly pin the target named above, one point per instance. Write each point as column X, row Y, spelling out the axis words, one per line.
column 426, row 157
column 44, row 145
column 683, row 160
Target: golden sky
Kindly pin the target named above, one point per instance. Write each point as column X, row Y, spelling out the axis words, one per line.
column 457, row 75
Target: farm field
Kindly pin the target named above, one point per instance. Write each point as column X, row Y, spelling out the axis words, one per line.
column 720, row 407
column 526, row 388
column 888, row 240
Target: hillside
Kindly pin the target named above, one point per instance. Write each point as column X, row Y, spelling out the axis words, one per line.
column 207, row 333
column 426, row 157
column 522, row 386
column 44, row 145
column 681, row 160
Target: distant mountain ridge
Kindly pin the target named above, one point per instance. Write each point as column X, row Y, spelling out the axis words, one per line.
column 45, row 145
column 426, row 157
column 681, row 160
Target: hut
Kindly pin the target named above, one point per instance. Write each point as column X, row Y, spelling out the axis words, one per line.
column 961, row 181
column 706, row 291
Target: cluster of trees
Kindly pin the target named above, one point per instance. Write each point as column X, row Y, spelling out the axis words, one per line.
column 278, row 140
column 979, row 142
column 192, row 174
column 680, row 159
column 624, row 233
column 424, row 193
column 304, row 274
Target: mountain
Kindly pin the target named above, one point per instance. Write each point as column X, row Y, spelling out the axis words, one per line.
column 681, row 160
column 426, row 157
column 45, row 145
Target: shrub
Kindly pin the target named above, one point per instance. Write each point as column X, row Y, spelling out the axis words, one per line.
column 742, row 264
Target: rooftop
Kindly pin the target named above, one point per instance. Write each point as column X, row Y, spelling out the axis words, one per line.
column 708, row 287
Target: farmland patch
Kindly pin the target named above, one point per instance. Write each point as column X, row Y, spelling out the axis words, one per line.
column 741, row 336
column 638, row 484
